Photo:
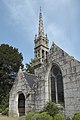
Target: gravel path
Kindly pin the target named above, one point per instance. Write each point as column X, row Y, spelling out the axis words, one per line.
column 7, row 118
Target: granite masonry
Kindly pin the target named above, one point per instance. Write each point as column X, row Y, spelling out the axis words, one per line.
column 56, row 78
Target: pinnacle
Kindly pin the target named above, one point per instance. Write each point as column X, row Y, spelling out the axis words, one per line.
column 40, row 9
column 41, row 28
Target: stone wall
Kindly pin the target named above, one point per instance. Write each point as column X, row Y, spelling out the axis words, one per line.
column 20, row 86
column 41, row 91
column 70, row 68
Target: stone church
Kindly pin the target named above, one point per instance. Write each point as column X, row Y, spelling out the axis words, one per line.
column 56, row 78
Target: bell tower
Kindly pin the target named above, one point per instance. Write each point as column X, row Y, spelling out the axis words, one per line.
column 40, row 44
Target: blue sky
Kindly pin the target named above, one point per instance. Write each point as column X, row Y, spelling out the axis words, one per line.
column 19, row 21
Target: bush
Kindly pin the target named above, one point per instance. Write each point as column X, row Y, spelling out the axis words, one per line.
column 6, row 111
column 76, row 116
column 45, row 116
column 51, row 108
column 42, row 116
column 29, row 115
column 36, row 117
column 59, row 117
column 22, row 118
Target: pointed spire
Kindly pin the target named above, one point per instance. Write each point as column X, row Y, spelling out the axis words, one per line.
column 40, row 9
column 41, row 29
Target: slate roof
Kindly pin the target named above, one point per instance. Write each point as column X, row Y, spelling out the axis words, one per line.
column 31, row 79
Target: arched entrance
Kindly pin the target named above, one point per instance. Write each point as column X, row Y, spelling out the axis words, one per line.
column 57, row 90
column 21, row 104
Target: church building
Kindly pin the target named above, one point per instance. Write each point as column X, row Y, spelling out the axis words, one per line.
column 56, row 78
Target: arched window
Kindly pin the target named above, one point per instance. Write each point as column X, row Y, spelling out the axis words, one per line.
column 57, row 91
column 21, row 104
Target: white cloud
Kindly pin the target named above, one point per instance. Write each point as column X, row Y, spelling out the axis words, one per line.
column 21, row 12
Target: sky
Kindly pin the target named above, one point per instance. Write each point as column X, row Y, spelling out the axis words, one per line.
column 19, row 21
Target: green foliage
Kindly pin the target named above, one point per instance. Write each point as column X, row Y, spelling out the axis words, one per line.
column 29, row 67
column 4, row 107
column 10, row 60
column 41, row 116
column 29, row 115
column 76, row 116
column 22, row 118
column 59, row 117
column 0, row 110
column 45, row 116
column 1, row 106
column 36, row 117
column 6, row 111
column 51, row 108
column 6, row 102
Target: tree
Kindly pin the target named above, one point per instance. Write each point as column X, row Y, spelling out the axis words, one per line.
column 10, row 61
column 29, row 67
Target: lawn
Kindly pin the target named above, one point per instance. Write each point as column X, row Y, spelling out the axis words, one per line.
column 7, row 118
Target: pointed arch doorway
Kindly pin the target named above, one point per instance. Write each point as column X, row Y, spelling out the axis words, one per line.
column 21, row 104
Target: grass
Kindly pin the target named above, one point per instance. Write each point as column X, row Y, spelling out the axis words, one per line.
column 7, row 118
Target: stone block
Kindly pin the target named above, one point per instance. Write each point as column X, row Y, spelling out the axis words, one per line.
column 78, row 68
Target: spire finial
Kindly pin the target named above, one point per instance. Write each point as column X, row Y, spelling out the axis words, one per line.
column 40, row 9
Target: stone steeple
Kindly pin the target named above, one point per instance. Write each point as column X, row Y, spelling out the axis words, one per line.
column 41, row 29
column 40, row 44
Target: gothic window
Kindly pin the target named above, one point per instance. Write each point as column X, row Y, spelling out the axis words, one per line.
column 57, row 91
column 21, row 104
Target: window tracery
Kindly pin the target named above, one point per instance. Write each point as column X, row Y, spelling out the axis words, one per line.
column 57, row 91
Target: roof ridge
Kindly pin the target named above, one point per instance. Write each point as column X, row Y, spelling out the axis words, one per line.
column 30, row 74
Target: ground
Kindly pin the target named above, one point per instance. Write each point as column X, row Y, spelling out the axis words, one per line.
column 7, row 118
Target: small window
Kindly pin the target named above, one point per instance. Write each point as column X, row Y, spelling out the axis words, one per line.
column 62, row 53
column 42, row 53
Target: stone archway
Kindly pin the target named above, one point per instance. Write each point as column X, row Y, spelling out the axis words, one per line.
column 21, row 104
